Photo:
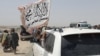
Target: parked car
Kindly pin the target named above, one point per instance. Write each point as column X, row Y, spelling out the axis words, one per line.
column 24, row 34
column 1, row 33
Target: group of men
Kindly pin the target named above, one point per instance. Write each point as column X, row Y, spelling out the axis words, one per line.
column 10, row 40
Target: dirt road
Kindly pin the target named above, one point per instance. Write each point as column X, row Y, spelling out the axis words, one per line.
column 23, row 49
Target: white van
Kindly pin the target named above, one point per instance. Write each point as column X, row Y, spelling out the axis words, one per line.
column 80, row 25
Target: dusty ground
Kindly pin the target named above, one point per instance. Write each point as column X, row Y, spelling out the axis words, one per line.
column 23, row 49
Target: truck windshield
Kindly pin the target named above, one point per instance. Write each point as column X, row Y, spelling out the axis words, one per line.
column 83, row 25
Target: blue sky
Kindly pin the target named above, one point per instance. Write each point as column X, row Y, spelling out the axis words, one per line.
column 62, row 12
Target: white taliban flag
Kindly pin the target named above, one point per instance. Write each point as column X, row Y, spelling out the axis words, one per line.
column 35, row 14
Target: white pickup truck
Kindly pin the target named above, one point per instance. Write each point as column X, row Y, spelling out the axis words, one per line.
column 64, row 43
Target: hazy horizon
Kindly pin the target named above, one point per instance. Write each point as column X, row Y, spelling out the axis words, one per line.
column 62, row 12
